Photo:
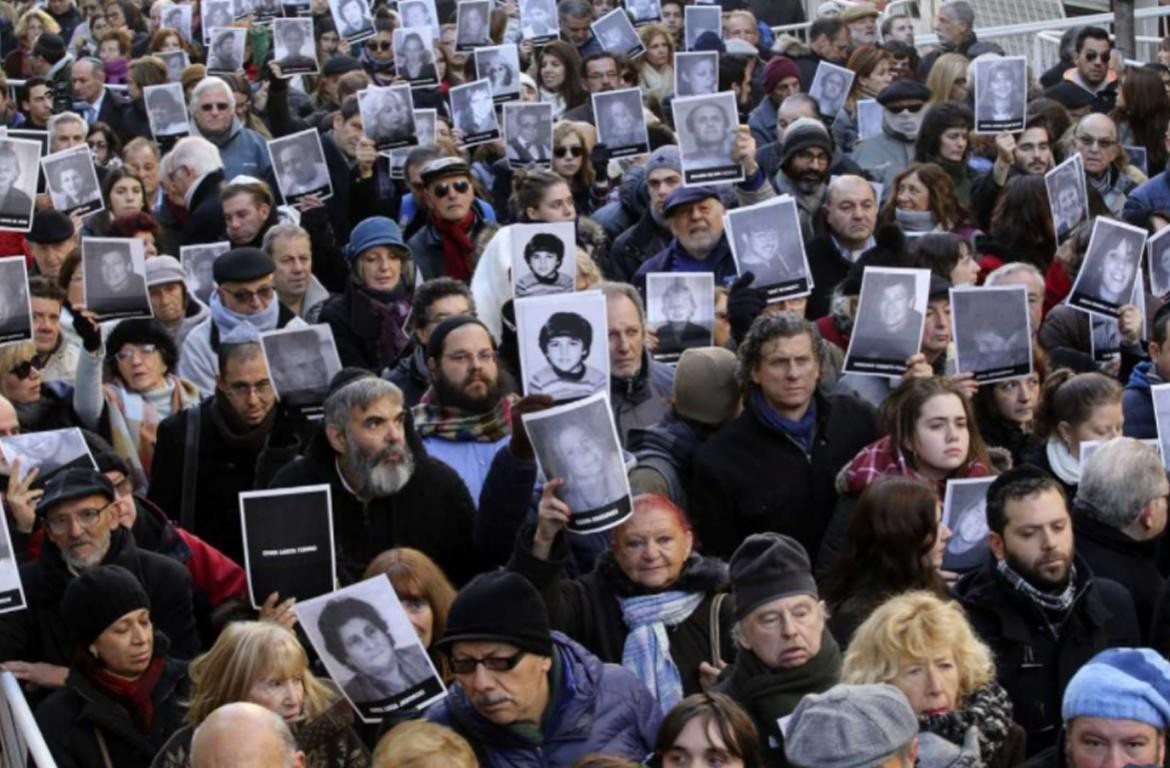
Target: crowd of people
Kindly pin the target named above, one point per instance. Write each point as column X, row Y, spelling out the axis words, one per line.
column 785, row 587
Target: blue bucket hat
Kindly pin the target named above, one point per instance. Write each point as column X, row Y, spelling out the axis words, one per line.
column 376, row 230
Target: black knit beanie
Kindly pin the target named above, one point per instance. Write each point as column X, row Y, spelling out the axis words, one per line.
column 97, row 598
column 500, row 607
column 766, row 567
column 445, row 328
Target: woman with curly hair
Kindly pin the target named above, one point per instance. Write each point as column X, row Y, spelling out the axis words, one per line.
column 31, row 25
column 923, row 645
column 558, row 77
column 924, row 201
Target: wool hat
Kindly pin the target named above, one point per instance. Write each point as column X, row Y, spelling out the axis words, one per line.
column 828, row 8
column 500, row 607
column 241, row 265
column 858, row 11
column 50, row 226
column 849, row 726
column 442, row 167
column 666, row 156
column 339, row 65
column 768, row 566
column 374, row 231
column 903, row 89
column 705, row 388
column 97, row 598
column 49, row 47
column 709, row 41
column 164, row 269
column 802, row 133
column 686, row 195
column 446, row 328
column 1121, row 684
column 777, row 69
column 142, row 330
column 74, row 483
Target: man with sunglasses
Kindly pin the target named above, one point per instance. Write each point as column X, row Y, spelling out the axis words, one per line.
column 444, row 246
column 245, row 293
column 1091, row 71
column 213, row 112
column 887, row 154
column 513, row 674
column 1095, row 139
column 79, row 516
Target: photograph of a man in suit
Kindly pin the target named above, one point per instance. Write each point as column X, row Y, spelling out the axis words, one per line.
column 13, row 202
column 679, row 332
column 892, row 324
column 116, row 287
column 524, row 145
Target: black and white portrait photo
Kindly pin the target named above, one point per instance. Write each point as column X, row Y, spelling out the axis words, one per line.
column 500, row 66
column 15, row 307
column 299, row 164
column 528, row 133
column 765, row 240
column 301, row 362
column 577, row 444
column 621, row 123
column 198, row 262
column 616, row 34
column 1138, row 156
column 965, row 515
column 540, row 21
column 414, row 57
column 830, row 87
column 698, row 19
column 644, row 11
column 1001, row 93
column 388, row 116
column 472, row 24
column 352, row 19
column 11, row 590
column 216, row 14
column 288, row 543
column 370, row 649
column 1068, row 199
column 696, row 73
column 18, row 182
column 1158, row 258
column 474, row 112
column 114, row 277
column 72, row 181
column 1160, row 396
column 992, row 331
column 419, row 14
column 680, row 307
column 176, row 62
column 424, row 129
column 294, row 50
column 226, row 52
column 47, row 451
column 1106, row 278
column 564, row 349
column 1104, row 339
column 707, row 127
column 869, row 119
column 177, row 16
column 165, row 110
column 891, row 312
column 544, row 259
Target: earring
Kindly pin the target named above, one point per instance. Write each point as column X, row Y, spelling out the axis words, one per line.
column 93, row 651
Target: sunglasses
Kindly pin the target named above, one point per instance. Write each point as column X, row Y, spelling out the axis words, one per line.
column 218, row 106
column 491, row 663
column 1093, row 56
column 912, row 108
column 573, row 151
column 379, row 46
column 22, row 370
column 441, row 189
column 263, row 293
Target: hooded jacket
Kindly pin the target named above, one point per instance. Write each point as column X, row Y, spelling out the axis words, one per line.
column 597, row 707
column 633, row 247
column 242, row 150
column 1137, row 403
column 664, row 451
column 642, row 400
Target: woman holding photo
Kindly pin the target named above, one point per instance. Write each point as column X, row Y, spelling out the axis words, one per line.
column 871, row 73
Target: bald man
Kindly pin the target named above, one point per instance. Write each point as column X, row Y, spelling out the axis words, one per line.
column 850, row 217
column 244, row 734
column 1095, row 139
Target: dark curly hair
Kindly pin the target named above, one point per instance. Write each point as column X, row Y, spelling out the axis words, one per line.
column 141, row 330
column 338, row 612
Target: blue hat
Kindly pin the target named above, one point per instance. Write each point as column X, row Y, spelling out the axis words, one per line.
column 687, row 195
column 376, row 230
column 709, row 41
column 1121, row 684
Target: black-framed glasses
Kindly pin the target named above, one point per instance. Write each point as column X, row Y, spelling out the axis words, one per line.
column 96, row 145
column 263, row 293
column 1094, row 55
column 560, row 152
column 59, row 525
column 913, row 108
column 491, row 663
column 23, row 370
column 442, row 188
column 379, row 45
column 1093, row 141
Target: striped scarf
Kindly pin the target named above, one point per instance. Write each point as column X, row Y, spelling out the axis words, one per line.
column 647, row 649
column 134, row 423
column 457, row 425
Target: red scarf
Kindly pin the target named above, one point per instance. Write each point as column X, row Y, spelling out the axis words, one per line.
column 881, row 458
column 455, row 237
column 134, row 694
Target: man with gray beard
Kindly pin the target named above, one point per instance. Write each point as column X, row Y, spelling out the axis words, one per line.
column 80, row 522
column 387, row 492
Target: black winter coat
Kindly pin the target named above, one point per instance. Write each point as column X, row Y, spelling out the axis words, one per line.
column 587, row 609
column 205, row 223
column 634, row 246
column 433, row 512
column 39, row 633
column 71, row 717
column 357, row 330
column 750, row 478
column 828, row 268
column 1033, row 665
column 1115, row 556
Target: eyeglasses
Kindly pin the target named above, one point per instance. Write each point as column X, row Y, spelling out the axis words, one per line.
column 245, row 297
column 1091, row 141
column 98, row 145
column 610, row 75
column 217, row 107
column 130, row 350
column 379, row 45
column 1093, row 56
column 573, row 151
column 22, row 370
column 243, row 389
column 912, row 108
column 441, row 189
column 59, row 525
column 483, row 357
column 491, row 663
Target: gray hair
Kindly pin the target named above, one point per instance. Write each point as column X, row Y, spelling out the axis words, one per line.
column 99, row 69
column 798, row 100
column 283, row 230
column 1012, row 267
column 574, row 9
column 768, row 326
column 613, row 289
column 205, row 85
column 196, row 153
column 962, row 12
column 359, row 393
column 1119, row 480
column 65, row 117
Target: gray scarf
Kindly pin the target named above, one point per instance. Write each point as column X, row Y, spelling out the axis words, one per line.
column 1058, row 603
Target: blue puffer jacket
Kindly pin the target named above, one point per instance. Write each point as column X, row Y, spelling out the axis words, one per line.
column 601, row 708
column 1137, row 402
column 1151, row 197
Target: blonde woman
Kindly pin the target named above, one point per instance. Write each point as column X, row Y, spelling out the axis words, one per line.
column 39, row 406
column 656, row 69
column 421, row 744
column 263, row 663
column 31, row 25
column 948, row 79
column 924, row 646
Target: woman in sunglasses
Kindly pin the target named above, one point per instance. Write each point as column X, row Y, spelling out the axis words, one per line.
column 377, row 56
column 572, row 163
column 39, row 405
column 138, row 358
column 558, row 75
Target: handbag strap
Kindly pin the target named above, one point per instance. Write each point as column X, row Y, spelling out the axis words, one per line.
column 716, row 606
column 101, row 740
column 190, row 468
